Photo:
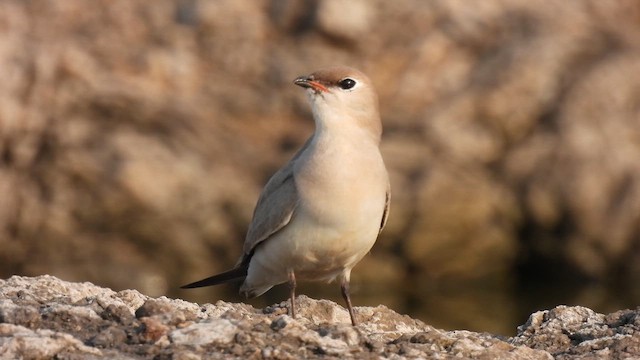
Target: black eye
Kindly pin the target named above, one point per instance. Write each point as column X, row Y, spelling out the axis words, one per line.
column 347, row 83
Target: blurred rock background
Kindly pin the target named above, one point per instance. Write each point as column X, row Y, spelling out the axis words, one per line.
column 136, row 136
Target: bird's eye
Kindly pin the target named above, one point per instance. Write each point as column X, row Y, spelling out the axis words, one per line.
column 347, row 83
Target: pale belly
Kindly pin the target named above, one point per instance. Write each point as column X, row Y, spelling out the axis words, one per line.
column 322, row 253
column 315, row 250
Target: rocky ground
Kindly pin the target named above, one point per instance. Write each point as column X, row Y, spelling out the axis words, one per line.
column 135, row 136
column 45, row 317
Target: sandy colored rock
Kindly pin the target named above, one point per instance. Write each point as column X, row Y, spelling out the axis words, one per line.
column 135, row 138
column 216, row 331
column 580, row 333
column 164, row 327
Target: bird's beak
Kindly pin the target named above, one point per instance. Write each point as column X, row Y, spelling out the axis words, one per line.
column 308, row 83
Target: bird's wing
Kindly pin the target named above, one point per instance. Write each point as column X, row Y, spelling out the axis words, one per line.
column 275, row 207
column 385, row 213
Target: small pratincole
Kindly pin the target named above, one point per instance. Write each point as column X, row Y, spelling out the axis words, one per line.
column 321, row 213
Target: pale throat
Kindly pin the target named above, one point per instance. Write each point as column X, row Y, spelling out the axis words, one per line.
column 337, row 122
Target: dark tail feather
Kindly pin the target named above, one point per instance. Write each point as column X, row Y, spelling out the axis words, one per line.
column 227, row 276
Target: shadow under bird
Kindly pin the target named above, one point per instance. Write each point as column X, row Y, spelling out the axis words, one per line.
column 321, row 213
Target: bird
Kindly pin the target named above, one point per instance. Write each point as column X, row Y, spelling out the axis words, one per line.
column 322, row 212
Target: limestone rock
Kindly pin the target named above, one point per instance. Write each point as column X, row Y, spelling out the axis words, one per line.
column 135, row 137
column 45, row 317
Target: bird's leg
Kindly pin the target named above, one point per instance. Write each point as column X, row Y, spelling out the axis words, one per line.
column 292, row 292
column 344, row 286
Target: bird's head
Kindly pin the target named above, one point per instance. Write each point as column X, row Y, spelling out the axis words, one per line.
column 341, row 94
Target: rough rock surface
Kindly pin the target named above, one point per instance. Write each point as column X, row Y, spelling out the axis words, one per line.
column 45, row 317
column 135, row 136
